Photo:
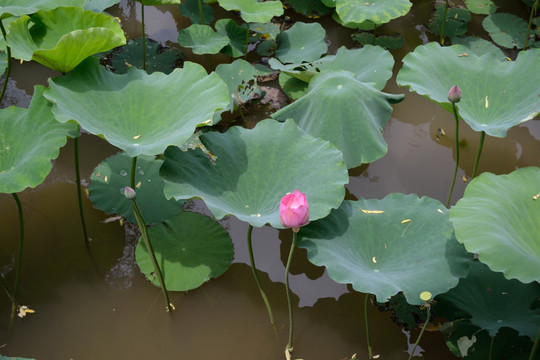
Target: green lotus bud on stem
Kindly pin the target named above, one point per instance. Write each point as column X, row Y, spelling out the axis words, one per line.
column 454, row 95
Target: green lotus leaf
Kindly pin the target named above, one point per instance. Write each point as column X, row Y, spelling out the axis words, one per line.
column 236, row 34
column 202, row 39
column 455, row 23
column 265, row 30
column 61, row 38
column 370, row 64
column 190, row 8
column 492, row 301
column 479, row 46
column 3, row 62
column 253, row 169
column 310, row 8
column 348, row 113
column 495, row 95
column 253, row 10
column 113, row 174
column 484, row 7
column 158, row 58
column 507, row 30
column 377, row 11
column 139, row 113
column 302, row 42
column 24, row 7
column 190, row 248
column 498, row 219
column 241, row 79
column 29, row 140
column 401, row 243
column 388, row 42
column 98, row 5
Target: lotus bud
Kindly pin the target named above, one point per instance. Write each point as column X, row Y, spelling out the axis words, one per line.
column 454, row 95
column 129, row 193
column 294, row 210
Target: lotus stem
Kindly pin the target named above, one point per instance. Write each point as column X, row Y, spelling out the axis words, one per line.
column 146, row 239
column 18, row 266
column 491, row 347
column 535, row 346
column 421, row 331
column 478, row 153
column 8, row 68
column 457, row 156
column 201, row 11
column 143, row 39
column 247, row 41
column 289, row 346
column 256, row 276
column 79, row 193
column 533, row 11
column 441, row 40
column 366, row 320
column 9, row 294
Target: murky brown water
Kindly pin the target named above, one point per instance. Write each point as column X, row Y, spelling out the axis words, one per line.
column 119, row 315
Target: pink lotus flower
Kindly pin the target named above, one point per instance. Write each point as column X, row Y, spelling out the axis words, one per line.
column 294, row 210
column 454, row 95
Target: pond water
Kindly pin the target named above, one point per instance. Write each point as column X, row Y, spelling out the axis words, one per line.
column 114, row 313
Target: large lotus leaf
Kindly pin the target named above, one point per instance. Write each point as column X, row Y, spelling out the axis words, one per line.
column 190, row 8
column 498, row 219
column 158, row 57
column 401, row 243
column 241, row 79
column 236, row 34
column 479, row 46
column 253, row 10
column 113, row 174
column 302, row 42
column 202, row 39
column 253, row 169
column 139, row 113
column 455, row 23
column 29, row 140
column 370, row 64
column 23, row 7
column 190, row 248
column 348, row 113
column 492, row 301
column 377, row 11
column 99, row 5
column 485, row 7
column 507, row 30
column 495, row 95
column 61, row 38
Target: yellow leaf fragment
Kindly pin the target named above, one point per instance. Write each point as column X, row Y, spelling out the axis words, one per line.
column 487, row 102
column 22, row 61
column 136, row 137
column 440, row 211
column 106, row 178
column 405, row 221
column 535, row 197
column 464, row 178
column 507, row 58
column 258, row 215
column 372, row 211
column 463, row 55
column 138, row 185
column 374, row 260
